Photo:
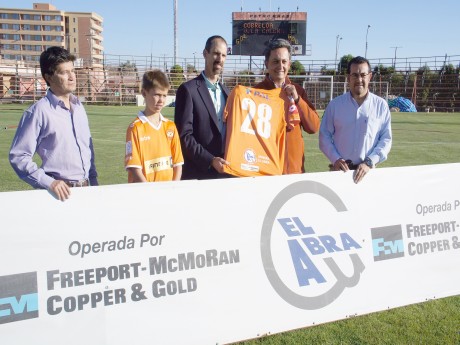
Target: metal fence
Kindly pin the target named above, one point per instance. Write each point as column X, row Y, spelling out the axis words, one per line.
column 431, row 83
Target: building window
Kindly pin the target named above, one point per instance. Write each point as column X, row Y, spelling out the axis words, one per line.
column 47, row 18
column 9, row 16
column 74, row 19
column 16, row 37
column 74, row 30
column 58, row 18
column 36, row 27
column 16, row 47
column 47, row 28
column 26, row 27
column 26, row 16
column 37, row 17
column 47, row 38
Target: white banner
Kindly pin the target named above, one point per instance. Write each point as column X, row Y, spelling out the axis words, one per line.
column 212, row 262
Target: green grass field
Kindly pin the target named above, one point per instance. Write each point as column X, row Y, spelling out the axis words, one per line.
column 418, row 139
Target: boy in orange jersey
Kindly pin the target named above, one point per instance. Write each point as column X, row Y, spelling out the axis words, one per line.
column 153, row 151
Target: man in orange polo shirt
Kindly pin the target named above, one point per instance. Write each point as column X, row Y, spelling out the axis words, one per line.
column 278, row 61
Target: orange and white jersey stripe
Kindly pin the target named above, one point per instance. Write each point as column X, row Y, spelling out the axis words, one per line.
column 256, row 131
column 155, row 150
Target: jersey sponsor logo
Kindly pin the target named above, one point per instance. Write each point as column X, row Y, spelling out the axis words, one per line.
column 257, row 93
column 129, row 147
column 170, row 134
column 18, row 297
column 158, row 164
column 145, row 138
column 250, row 156
column 249, row 167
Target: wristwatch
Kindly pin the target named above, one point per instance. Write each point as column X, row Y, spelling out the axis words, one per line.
column 368, row 162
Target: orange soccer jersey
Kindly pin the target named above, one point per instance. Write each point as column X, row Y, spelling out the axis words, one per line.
column 154, row 150
column 256, row 130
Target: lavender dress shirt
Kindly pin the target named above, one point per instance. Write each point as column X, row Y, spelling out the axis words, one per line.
column 62, row 139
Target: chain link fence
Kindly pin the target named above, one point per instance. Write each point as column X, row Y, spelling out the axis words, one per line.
column 432, row 84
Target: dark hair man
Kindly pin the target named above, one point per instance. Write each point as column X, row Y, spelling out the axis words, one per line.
column 355, row 130
column 57, row 129
column 278, row 62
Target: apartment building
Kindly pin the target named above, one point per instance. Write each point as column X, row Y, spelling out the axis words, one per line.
column 25, row 33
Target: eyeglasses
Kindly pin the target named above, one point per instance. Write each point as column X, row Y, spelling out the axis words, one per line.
column 359, row 75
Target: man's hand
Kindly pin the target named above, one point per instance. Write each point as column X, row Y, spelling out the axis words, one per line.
column 340, row 164
column 218, row 164
column 291, row 92
column 359, row 174
column 60, row 189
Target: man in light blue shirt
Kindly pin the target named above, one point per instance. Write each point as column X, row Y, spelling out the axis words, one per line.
column 355, row 131
column 57, row 129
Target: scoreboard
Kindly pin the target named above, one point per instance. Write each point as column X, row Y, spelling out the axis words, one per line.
column 253, row 30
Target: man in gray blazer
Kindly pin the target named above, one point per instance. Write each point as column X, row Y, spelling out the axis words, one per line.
column 199, row 110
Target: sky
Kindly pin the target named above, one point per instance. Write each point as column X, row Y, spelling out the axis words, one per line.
column 418, row 28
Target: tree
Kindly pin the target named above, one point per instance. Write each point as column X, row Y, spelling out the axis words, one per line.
column 176, row 76
column 246, row 78
column 191, row 68
column 343, row 64
column 297, row 68
column 326, row 71
column 383, row 70
column 128, row 67
column 424, row 70
column 448, row 69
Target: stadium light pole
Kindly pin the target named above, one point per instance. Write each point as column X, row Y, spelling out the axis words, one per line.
column 338, row 38
column 367, row 32
column 394, row 62
column 175, row 31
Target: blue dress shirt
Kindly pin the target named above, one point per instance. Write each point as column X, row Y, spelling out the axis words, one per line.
column 352, row 131
column 62, row 139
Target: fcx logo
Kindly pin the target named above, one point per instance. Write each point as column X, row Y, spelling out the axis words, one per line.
column 18, row 297
column 387, row 242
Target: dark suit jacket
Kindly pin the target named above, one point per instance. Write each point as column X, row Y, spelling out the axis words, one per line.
column 196, row 121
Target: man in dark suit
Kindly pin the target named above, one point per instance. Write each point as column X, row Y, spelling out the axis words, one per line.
column 200, row 104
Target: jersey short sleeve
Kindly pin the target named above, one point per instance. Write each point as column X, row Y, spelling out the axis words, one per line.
column 132, row 156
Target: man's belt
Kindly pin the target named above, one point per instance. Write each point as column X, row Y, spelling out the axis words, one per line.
column 75, row 183
column 349, row 163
